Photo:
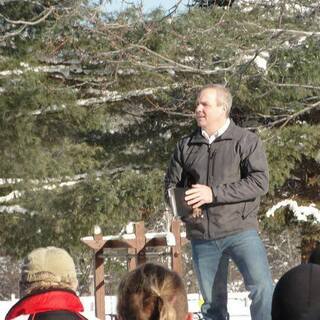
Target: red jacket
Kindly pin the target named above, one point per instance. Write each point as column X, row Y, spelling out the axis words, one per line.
column 48, row 303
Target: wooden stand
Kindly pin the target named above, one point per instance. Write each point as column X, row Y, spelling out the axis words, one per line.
column 307, row 246
column 137, row 255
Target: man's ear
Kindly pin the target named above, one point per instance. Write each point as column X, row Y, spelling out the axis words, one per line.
column 189, row 316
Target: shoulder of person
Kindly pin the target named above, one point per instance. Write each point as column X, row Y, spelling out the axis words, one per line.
column 245, row 135
column 184, row 140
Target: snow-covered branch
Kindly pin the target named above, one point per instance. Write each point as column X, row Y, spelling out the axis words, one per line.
column 18, row 194
column 11, row 181
column 13, row 209
column 11, row 196
column 37, row 69
column 111, row 96
column 55, row 183
column 300, row 212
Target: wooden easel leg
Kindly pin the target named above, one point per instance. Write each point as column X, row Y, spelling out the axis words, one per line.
column 132, row 260
column 99, row 289
column 176, row 260
column 140, row 243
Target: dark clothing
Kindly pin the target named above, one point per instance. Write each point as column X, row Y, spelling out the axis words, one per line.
column 55, row 304
column 297, row 294
column 235, row 167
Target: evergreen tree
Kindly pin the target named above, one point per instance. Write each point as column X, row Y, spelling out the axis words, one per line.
column 92, row 105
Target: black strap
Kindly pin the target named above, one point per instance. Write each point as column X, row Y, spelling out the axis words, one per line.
column 57, row 315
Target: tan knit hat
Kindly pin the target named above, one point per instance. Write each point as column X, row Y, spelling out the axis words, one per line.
column 45, row 268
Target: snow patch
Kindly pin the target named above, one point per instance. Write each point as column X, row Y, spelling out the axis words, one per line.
column 300, row 212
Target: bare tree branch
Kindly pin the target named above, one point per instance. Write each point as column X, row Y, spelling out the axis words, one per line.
column 24, row 23
column 44, row 15
column 298, row 32
column 12, row 34
column 305, row 110
column 292, row 85
column 285, row 120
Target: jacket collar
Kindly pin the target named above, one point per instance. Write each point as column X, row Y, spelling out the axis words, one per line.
column 50, row 300
column 197, row 137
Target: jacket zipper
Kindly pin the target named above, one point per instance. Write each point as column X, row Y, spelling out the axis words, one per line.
column 207, row 214
column 208, row 173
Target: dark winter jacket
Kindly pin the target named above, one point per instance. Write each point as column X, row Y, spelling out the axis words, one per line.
column 235, row 167
column 48, row 305
column 297, row 294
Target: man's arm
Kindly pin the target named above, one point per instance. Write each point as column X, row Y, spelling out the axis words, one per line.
column 254, row 183
column 174, row 171
column 174, row 175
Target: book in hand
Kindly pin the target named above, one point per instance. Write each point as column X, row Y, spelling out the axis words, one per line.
column 178, row 205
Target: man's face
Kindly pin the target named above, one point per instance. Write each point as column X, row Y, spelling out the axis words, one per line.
column 207, row 112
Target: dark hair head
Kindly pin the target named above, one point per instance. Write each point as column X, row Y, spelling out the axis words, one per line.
column 297, row 294
column 152, row 292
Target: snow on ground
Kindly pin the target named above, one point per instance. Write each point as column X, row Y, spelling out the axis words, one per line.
column 238, row 306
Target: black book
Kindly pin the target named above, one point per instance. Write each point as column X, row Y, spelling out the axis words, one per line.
column 178, row 205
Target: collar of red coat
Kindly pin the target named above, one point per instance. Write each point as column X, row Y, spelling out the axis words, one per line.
column 50, row 300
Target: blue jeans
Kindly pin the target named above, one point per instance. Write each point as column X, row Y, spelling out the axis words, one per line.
column 220, row 293
column 248, row 253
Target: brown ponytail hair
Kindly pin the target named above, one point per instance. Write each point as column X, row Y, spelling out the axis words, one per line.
column 152, row 292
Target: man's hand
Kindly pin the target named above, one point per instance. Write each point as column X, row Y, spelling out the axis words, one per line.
column 198, row 195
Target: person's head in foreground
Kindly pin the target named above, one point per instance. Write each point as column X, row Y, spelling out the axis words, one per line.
column 47, row 268
column 47, row 286
column 152, row 292
column 297, row 294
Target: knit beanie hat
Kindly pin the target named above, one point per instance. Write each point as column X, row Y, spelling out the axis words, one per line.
column 297, row 294
column 46, row 268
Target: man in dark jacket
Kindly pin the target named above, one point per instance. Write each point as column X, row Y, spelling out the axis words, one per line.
column 225, row 168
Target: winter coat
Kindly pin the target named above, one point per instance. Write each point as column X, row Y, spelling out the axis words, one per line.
column 235, row 167
column 48, row 305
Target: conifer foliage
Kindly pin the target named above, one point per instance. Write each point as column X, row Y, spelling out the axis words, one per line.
column 92, row 105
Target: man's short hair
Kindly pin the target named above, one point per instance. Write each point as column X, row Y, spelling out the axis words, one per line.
column 224, row 97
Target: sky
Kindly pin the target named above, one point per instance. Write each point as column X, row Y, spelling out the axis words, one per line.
column 148, row 5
